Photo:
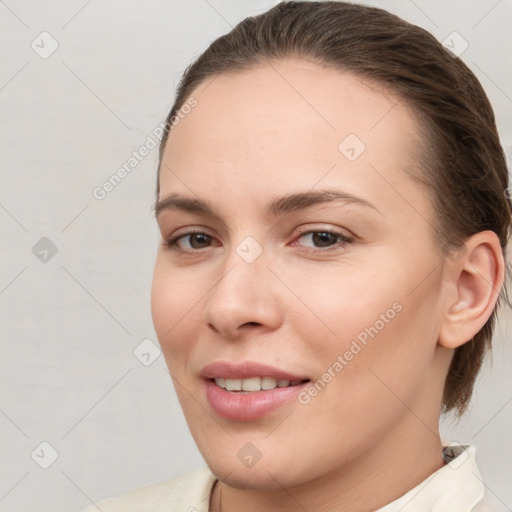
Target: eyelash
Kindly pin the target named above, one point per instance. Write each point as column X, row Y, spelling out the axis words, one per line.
column 172, row 243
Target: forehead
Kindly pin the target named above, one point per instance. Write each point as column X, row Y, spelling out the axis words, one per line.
column 285, row 124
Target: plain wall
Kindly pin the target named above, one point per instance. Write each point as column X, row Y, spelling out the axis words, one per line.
column 70, row 321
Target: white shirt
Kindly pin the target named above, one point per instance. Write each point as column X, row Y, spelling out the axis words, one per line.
column 456, row 487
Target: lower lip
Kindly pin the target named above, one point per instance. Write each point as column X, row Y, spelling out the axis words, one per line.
column 240, row 406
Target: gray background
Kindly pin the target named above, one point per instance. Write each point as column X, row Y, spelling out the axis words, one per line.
column 70, row 321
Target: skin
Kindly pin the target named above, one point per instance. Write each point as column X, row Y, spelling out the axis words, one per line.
column 372, row 433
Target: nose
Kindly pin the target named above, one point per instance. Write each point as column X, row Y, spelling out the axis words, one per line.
column 243, row 300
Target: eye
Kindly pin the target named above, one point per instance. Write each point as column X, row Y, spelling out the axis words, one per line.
column 329, row 240
column 189, row 242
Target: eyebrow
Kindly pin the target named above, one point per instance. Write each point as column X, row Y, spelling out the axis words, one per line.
column 278, row 206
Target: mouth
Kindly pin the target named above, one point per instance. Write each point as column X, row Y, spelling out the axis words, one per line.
column 247, row 391
column 255, row 384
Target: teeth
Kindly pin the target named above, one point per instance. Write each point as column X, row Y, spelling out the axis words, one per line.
column 268, row 383
column 254, row 383
column 233, row 384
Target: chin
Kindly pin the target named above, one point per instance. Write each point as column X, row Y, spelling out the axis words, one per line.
column 260, row 477
column 275, row 469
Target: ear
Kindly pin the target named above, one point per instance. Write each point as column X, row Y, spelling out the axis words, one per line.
column 473, row 282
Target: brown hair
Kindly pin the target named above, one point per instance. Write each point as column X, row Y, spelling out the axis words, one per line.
column 462, row 162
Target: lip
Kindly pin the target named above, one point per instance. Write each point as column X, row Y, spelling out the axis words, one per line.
column 246, row 370
column 239, row 406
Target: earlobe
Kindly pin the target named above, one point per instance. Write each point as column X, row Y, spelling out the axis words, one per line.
column 474, row 282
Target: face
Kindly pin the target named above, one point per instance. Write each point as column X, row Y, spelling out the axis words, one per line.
column 295, row 248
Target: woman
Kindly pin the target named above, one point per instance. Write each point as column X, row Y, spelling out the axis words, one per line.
column 334, row 218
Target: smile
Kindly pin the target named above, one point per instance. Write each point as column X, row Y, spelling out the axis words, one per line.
column 255, row 384
column 249, row 390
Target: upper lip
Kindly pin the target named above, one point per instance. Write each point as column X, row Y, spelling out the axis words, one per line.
column 246, row 370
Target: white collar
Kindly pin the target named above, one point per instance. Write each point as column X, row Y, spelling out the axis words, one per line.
column 456, row 487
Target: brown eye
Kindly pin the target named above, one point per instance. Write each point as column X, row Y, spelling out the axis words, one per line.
column 199, row 240
column 189, row 242
column 323, row 238
column 327, row 239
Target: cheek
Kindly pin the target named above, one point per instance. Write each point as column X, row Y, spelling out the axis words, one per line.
column 174, row 309
column 361, row 326
column 339, row 305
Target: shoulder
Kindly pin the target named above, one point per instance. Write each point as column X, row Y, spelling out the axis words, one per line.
column 188, row 492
